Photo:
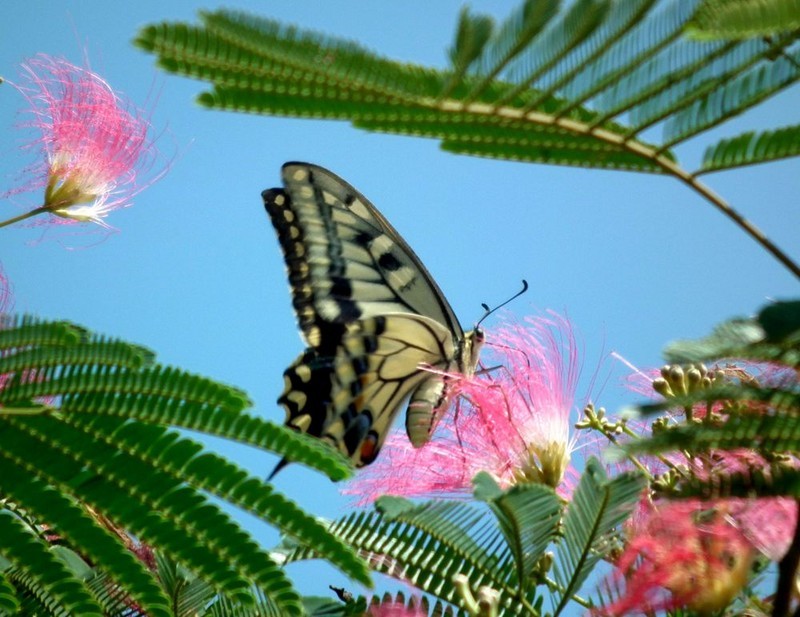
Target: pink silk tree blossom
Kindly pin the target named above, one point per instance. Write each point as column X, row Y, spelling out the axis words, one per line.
column 513, row 421
column 93, row 146
column 768, row 523
column 680, row 554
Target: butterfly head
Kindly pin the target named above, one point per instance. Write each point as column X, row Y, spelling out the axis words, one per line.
column 470, row 350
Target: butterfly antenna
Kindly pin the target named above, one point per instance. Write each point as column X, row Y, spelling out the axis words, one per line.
column 283, row 462
column 499, row 306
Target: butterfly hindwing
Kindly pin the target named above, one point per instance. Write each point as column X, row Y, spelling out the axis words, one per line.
column 372, row 316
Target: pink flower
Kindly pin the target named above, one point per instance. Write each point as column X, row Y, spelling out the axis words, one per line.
column 94, row 146
column 513, row 421
column 681, row 553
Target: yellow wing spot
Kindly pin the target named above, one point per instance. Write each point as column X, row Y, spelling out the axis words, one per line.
column 358, row 207
column 302, row 422
column 298, row 398
column 294, row 232
column 300, row 174
column 314, row 336
column 288, row 215
column 279, row 200
column 329, row 198
column 303, row 371
column 306, row 191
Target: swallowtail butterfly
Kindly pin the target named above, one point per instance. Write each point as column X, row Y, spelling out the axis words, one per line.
column 371, row 315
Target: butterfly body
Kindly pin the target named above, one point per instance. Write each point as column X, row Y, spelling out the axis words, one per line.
column 377, row 326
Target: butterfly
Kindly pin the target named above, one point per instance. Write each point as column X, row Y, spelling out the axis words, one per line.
column 371, row 314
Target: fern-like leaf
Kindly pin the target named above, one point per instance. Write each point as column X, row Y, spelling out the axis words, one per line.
column 736, row 19
column 598, row 506
column 9, row 603
column 80, row 529
column 593, row 75
column 528, row 516
column 773, row 433
column 750, row 148
column 99, row 456
column 59, row 586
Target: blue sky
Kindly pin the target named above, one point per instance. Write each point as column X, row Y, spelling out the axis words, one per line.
column 196, row 274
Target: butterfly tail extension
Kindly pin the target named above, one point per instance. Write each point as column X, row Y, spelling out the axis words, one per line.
column 281, row 464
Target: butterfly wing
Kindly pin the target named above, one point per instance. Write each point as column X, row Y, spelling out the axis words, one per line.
column 368, row 309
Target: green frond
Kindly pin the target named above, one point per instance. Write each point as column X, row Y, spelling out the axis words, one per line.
column 449, row 531
column 221, row 419
column 24, row 331
column 190, row 596
column 731, row 99
column 9, row 602
column 73, row 523
column 528, row 516
column 771, row 433
column 565, row 33
column 756, row 482
column 736, row 19
column 598, row 506
column 159, row 508
column 472, row 34
column 183, row 459
column 511, row 37
column 91, row 354
column 618, row 20
column 572, row 85
column 773, row 336
column 597, row 159
column 752, row 148
column 59, row 588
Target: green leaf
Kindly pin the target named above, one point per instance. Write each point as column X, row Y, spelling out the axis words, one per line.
column 597, row 507
column 550, row 84
column 758, row 482
column 158, row 507
column 459, row 536
column 9, row 603
column 725, row 340
column 773, row 336
column 472, row 33
column 734, row 19
column 19, row 545
column 780, row 320
column 486, row 487
column 528, row 516
column 183, row 459
column 752, row 148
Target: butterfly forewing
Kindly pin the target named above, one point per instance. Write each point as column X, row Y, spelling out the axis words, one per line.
column 370, row 312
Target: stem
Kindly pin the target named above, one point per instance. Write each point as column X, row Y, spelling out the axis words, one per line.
column 750, row 229
column 24, row 216
column 787, row 571
column 556, row 587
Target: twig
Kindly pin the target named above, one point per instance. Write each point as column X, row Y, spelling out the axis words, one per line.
column 787, row 572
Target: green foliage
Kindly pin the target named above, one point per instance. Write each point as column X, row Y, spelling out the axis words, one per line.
column 750, row 148
column 86, row 448
column 772, row 336
column 598, row 506
column 429, row 543
column 573, row 85
column 739, row 408
column 735, row 19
